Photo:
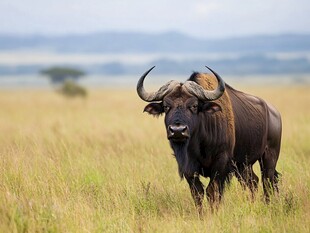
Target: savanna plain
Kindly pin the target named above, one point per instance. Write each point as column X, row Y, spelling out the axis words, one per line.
column 100, row 164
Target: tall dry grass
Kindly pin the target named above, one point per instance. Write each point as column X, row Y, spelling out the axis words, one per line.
column 101, row 165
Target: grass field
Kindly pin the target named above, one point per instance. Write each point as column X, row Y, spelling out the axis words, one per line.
column 101, row 165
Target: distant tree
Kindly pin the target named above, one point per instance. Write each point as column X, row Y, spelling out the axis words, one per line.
column 65, row 80
column 58, row 75
column 71, row 89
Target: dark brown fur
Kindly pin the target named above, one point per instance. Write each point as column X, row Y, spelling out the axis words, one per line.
column 227, row 136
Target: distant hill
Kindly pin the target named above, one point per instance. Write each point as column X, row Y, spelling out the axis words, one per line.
column 171, row 42
column 244, row 65
column 239, row 56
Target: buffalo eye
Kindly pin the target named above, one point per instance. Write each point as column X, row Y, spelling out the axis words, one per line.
column 166, row 108
column 194, row 108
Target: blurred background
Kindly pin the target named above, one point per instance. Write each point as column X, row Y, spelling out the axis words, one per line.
column 105, row 43
column 98, row 164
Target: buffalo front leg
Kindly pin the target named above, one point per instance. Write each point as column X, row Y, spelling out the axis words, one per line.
column 197, row 190
column 214, row 192
column 219, row 175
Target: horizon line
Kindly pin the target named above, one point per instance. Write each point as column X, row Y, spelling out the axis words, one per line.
column 164, row 32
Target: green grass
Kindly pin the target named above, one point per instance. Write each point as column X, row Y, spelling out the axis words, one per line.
column 101, row 165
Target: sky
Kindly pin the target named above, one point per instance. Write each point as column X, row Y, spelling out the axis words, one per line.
column 204, row 19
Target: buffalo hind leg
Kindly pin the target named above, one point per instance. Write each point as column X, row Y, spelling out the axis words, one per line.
column 248, row 178
column 197, row 191
column 269, row 173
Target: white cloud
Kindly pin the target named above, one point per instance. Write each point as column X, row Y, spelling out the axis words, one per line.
column 203, row 9
column 212, row 18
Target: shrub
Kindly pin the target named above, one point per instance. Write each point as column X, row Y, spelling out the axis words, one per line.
column 71, row 89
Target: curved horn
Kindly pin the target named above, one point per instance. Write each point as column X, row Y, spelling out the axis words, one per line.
column 154, row 96
column 203, row 94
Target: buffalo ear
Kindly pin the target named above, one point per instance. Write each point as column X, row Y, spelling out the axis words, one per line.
column 210, row 107
column 154, row 109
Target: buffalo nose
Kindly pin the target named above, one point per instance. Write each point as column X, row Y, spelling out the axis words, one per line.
column 178, row 131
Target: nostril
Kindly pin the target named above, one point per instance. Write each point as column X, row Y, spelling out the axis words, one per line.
column 178, row 132
column 177, row 128
column 185, row 128
column 170, row 129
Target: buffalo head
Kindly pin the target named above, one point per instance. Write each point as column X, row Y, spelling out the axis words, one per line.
column 182, row 103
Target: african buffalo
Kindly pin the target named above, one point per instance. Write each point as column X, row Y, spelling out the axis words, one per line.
column 215, row 131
